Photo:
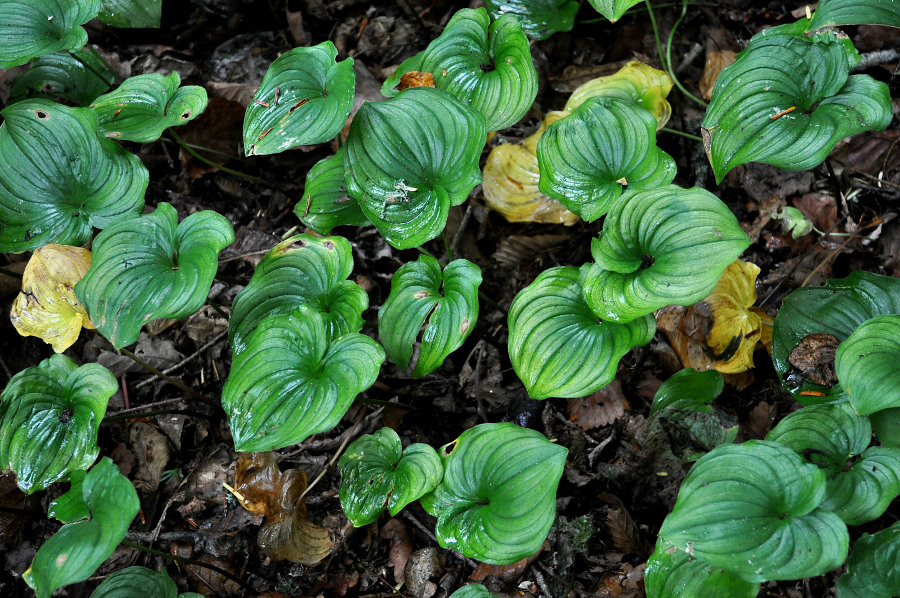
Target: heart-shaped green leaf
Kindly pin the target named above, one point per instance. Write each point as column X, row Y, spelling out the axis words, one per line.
column 61, row 76
column 416, row 298
column 873, row 570
column 836, row 309
column 31, row 28
column 301, row 270
column 689, row 389
column 539, row 18
column 864, row 492
column 407, row 160
column 485, row 65
column 786, row 101
column 146, row 105
column 557, row 346
column 291, row 381
column 136, row 581
column 74, row 552
column 131, row 13
column 151, row 267
column 612, row 9
column 377, row 473
column 866, row 365
column 326, row 203
column 587, row 158
column 886, row 425
column 661, row 247
column 497, row 500
column 673, row 573
column 473, row 590
column 304, row 98
column 50, row 414
column 59, row 179
column 751, row 509
column 836, row 13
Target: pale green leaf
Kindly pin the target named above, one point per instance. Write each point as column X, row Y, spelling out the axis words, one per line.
column 866, row 365
column 136, row 582
column 30, row 28
column 131, row 13
column 326, row 203
column 539, row 18
column 613, row 9
column 689, row 389
column 673, row 573
column 837, row 13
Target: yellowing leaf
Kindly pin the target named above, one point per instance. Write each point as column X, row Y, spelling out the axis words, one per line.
column 635, row 82
column 47, row 307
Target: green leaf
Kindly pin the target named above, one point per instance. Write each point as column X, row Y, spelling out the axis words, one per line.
column 378, row 473
column 661, row 247
column 612, row 9
column 886, row 425
column 131, row 13
column 416, row 300
column 873, row 570
column 557, row 346
column 793, row 221
column 472, row 590
column 291, row 382
column 751, row 509
column 304, row 98
column 30, row 28
column 689, row 389
column 866, row 365
column 587, row 158
column 864, row 493
column 485, row 65
column 146, row 105
column 409, row 159
column 539, row 18
column 151, row 267
column 837, row 309
column 497, row 500
column 134, row 582
column 301, row 270
column 74, row 552
column 836, row 13
column 59, row 179
column 50, row 414
column 748, row 119
column 63, row 78
column 326, row 203
column 673, row 573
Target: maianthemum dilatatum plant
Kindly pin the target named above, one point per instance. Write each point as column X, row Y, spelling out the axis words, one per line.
column 296, row 331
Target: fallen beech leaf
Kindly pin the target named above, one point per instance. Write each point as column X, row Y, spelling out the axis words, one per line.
column 512, row 571
column 47, row 307
column 401, row 546
column 422, row 565
column 814, row 357
column 716, row 60
column 601, row 408
column 416, row 79
column 623, row 531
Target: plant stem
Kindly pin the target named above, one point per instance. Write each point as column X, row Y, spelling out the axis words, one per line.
column 209, row 162
column 93, row 71
column 491, row 302
column 10, row 273
column 168, row 379
column 181, row 559
column 684, row 7
column 217, row 309
column 447, row 247
column 682, row 133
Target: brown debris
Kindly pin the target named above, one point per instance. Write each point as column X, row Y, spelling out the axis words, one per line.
column 814, row 356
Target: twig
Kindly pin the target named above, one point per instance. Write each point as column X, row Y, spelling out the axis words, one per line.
column 182, row 363
column 870, row 59
column 542, row 583
column 457, row 236
column 139, row 409
column 337, row 454
column 168, row 379
column 187, row 561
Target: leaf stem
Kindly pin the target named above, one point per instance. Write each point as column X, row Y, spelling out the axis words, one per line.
column 665, row 58
column 181, row 559
column 165, row 377
column 93, row 71
column 209, row 162
column 682, row 133
column 10, row 273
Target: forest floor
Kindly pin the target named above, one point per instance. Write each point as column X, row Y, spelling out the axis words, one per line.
column 618, row 483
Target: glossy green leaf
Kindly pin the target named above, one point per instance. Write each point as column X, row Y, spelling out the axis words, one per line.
column 377, row 473
column 613, row 9
column 673, row 573
column 407, row 160
column 486, row 65
column 793, row 221
column 636, row 83
column 131, row 13
column 539, row 18
column 837, row 309
column 326, row 203
column 836, row 13
column 689, row 389
column 864, row 492
column 50, row 414
column 873, row 570
column 472, row 590
column 301, row 270
column 304, row 98
column 59, row 179
column 74, row 552
column 291, row 381
column 151, row 267
column 752, row 509
column 445, row 303
column 497, row 500
column 146, row 105
column 63, row 78
column 135, row 582
column 661, row 247
column 886, row 425
column 557, row 346
column 748, row 119
column 866, row 365
column 588, row 158
column 30, row 28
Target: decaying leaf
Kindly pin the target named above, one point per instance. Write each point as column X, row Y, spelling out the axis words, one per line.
column 716, row 60
column 401, row 546
column 47, row 307
column 416, row 79
column 813, row 357
column 422, row 565
column 601, row 408
column 287, row 534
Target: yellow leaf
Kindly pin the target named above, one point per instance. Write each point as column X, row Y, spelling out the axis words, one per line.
column 736, row 328
column 47, row 307
column 635, row 82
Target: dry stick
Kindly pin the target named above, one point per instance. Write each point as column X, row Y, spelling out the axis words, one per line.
column 168, row 379
column 826, row 260
column 187, row 561
column 359, row 418
column 184, row 361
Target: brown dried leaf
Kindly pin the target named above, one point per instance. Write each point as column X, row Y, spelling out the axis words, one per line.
column 515, row 250
column 401, row 546
column 602, row 408
column 219, row 129
column 416, row 79
column 422, row 565
column 759, row 421
column 820, row 208
column 11, row 497
column 814, row 356
column 151, row 450
column 623, row 531
column 512, row 571
column 716, row 60
column 11, row 284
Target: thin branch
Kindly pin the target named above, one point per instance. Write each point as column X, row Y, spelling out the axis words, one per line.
column 169, row 379
column 184, row 361
column 187, row 561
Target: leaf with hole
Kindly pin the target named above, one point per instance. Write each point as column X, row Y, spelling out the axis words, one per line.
column 30, row 28
column 62, row 77
column 326, row 203
column 59, row 179
column 866, row 365
column 445, row 303
column 673, row 573
column 539, row 18
column 151, row 267
column 558, row 347
column 304, row 98
column 873, row 571
column 688, row 389
column 377, row 473
column 497, row 500
column 131, row 13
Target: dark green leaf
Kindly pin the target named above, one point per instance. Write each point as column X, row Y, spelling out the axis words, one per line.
column 472, row 590
column 689, row 389
column 836, row 13
column 886, row 425
column 416, row 299
column 135, row 582
column 612, row 9
column 673, row 573
column 31, row 28
column 131, row 13
column 63, row 78
column 540, row 18
column 873, row 570
column 326, row 203
column 864, row 492
column 866, row 365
